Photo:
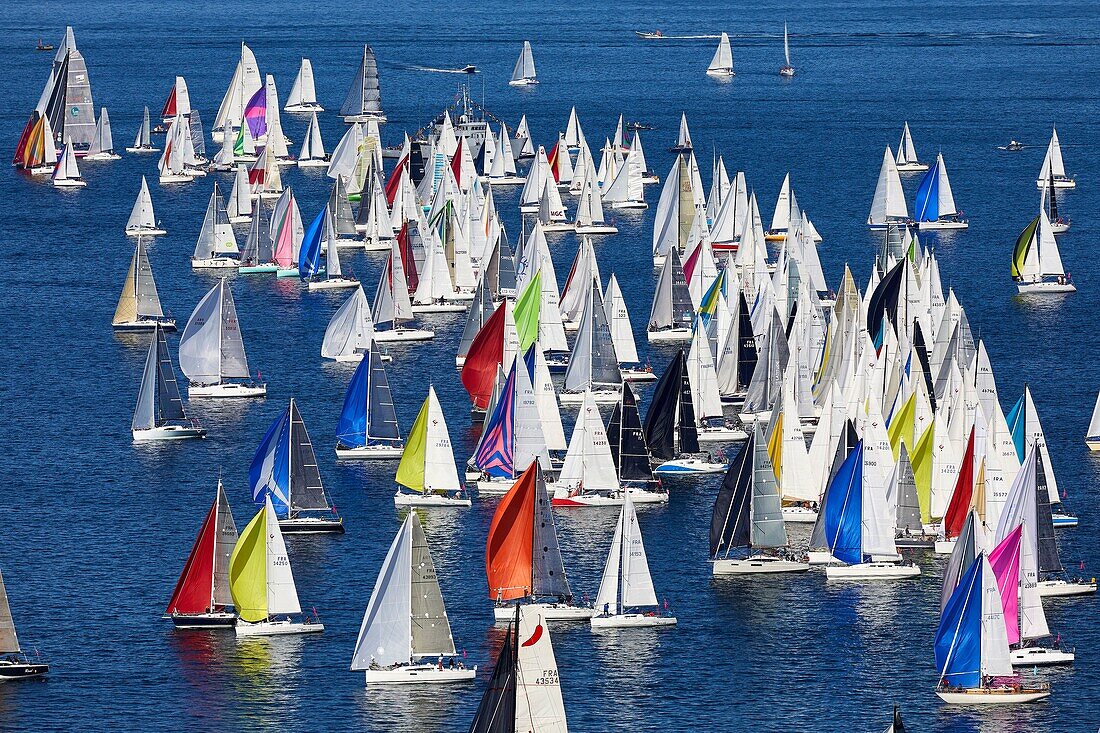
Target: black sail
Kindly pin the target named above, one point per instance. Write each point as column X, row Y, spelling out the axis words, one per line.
column 730, row 524
column 746, row 343
column 921, row 347
column 1049, row 562
column 689, row 433
column 497, row 711
column 628, row 446
column 884, row 301
column 660, row 421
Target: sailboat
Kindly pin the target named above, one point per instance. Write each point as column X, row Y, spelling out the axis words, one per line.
column 627, row 587
column 367, row 428
column 350, row 332
column 102, row 146
column 303, row 95
column 405, row 624
column 711, row 422
column 683, row 137
column 721, row 65
column 934, row 207
column 672, row 312
column 522, row 559
column 138, row 306
column 670, row 429
column 309, row 257
column 593, row 369
column 142, row 221
column 590, row 216
column 143, row 142
column 364, row 99
column 512, row 438
column 202, row 599
column 262, row 583
column 285, row 233
column 284, row 474
column 211, row 349
column 246, row 82
column 786, row 69
column 524, row 694
column 312, row 154
column 427, row 465
column 14, row 663
column 888, row 204
column 216, row 247
column 239, row 207
column 159, row 413
column 178, row 149
column 622, row 335
column 523, row 75
column 748, row 517
column 65, row 173
column 906, row 159
column 972, row 655
column 858, row 525
column 1049, row 200
column 393, row 305
column 1054, row 166
column 1092, row 435
column 1036, row 262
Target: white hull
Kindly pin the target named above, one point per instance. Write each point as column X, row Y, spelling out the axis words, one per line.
column 688, row 466
column 799, row 515
column 720, row 73
column 366, row 117
column 507, row 181
column 1093, row 443
column 669, row 335
column 145, row 232
column 596, row 229
column 561, row 498
column 69, row 183
column 176, row 178
column 926, row 226
column 996, row 696
column 548, row 611
column 419, row 674
column 1063, row 588
column 628, row 205
column 103, row 156
column 631, row 621
column 1039, row 656
column 226, row 389
column 240, row 219
column 333, row 283
column 277, row 628
column 215, row 263
column 146, row 324
column 143, row 150
column 378, row 245
column 642, row 374
column 523, row 82
column 370, row 452
column 1058, row 183
column 912, row 167
column 1046, row 287
column 403, row 334
column 945, row 547
column 872, row 571
column 600, row 397
column 312, row 163
column 306, row 107
column 494, row 487
column 559, row 226
column 715, row 434
column 758, row 565
column 168, row 432
column 444, row 307
column 821, row 557
column 402, row 498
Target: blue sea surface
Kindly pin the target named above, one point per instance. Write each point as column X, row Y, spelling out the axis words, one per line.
column 96, row 529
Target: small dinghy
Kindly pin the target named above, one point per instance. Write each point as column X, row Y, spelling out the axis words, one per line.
column 284, row 471
column 159, row 413
column 747, row 519
column 139, row 306
column 427, row 465
column 523, row 562
column 14, row 662
column 523, row 75
column 405, row 624
column 367, row 429
column 626, row 589
column 211, row 350
column 262, row 583
column 202, row 599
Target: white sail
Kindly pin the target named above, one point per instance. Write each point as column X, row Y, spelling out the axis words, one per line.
column 907, row 153
column 246, row 81
column 781, row 217
column 722, row 62
column 1052, row 161
column 946, row 198
column 282, row 595
column 889, row 199
column 786, row 46
column 546, row 399
column 211, row 348
column 351, row 330
column 1094, row 423
column 313, row 148
column 385, row 635
column 141, row 216
column 530, row 443
column 304, row 92
column 239, row 205
column 440, row 473
column 995, row 661
column 626, row 581
column 102, row 141
column 618, row 318
column 525, row 65
column 702, row 376
column 588, row 463
column 539, row 706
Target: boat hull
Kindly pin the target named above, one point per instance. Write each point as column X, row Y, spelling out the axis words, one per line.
column 912, row 167
column 629, row 205
column 168, row 432
column 143, row 150
column 689, row 466
column 18, row 670
column 821, row 557
column 926, row 226
column 257, row 269
column 494, row 487
column 599, row 396
column 277, row 628
column 507, row 181
column 1045, row 287
column 145, row 232
column 222, row 620
column 669, row 336
column 758, row 565
column 1064, row 588
column 1058, row 183
column 311, row 525
column 562, row 498
column 370, row 452
column 402, row 498
column 167, row 325
column 333, row 283
column 721, row 434
column 176, row 178
column 227, row 390
column 643, row 374
column 944, row 547
column 308, row 107
column 312, row 163
column 994, row 696
column 1039, row 656
column 596, row 229
column 403, row 334
column 215, row 263
column 444, row 307
column 419, row 674
column 872, row 571
column 799, row 515
column 548, row 611
column 631, row 621
column 1064, row 521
